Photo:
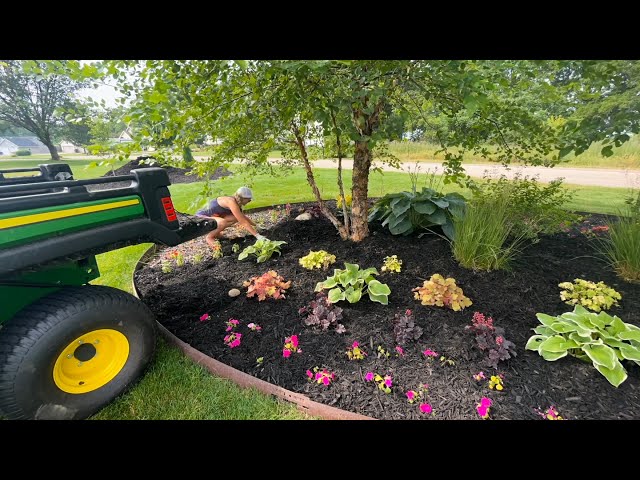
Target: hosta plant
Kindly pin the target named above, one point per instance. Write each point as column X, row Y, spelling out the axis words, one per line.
column 317, row 259
column 441, row 292
column 591, row 295
column 599, row 338
column 351, row 283
column 406, row 212
column 263, row 249
column 267, row 285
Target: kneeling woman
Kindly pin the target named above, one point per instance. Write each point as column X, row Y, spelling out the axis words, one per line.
column 227, row 211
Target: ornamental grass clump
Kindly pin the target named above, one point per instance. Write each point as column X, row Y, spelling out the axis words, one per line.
column 441, row 292
column 599, row 338
column 591, row 295
column 621, row 247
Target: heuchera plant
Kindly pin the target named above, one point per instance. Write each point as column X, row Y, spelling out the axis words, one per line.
column 317, row 259
column 323, row 376
column 268, row 285
column 290, row 346
column 405, row 328
column 322, row 313
column 441, row 292
column 392, row 264
column 490, row 340
column 591, row 295
column 355, row 352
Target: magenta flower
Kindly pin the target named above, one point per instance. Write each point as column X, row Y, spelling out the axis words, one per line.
column 233, row 339
column 479, row 376
column 231, row 324
column 400, row 350
column 309, row 374
column 355, row 345
column 483, row 407
column 294, row 340
column 286, row 353
column 204, row 317
column 411, row 395
column 325, row 380
column 369, row 376
column 425, row 408
column 430, row 353
column 387, row 381
column 254, row 326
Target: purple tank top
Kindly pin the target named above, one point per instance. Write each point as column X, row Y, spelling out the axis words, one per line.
column 213, row 208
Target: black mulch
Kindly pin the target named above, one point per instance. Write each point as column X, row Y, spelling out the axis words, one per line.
column 176, row 175
column 575, row 388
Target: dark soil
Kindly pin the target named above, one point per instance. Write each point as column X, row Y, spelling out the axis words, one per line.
column 176, row 175
column 576, row 389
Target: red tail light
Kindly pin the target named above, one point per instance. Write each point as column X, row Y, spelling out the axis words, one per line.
column 168, row 209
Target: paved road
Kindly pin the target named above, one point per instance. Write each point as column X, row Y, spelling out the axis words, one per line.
column 579, row 176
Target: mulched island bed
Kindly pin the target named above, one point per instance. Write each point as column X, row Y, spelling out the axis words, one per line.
column 180, row 298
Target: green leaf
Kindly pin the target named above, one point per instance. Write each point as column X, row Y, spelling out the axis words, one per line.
column 563, row 327
column 629, row 335
column 399, row 206
column 377, row 288
column 582, row 339
column 449, row 230
column 615, row 375
column 616, row 327
column 335, row 295
column 557, row 343
column 630, row 353
column 471, row 104
column 328, row 283
column 244, row 254
column 553, row 356
column 534, row 342
column 438, row 217
column 546, row 319
column 263, row 258
column 403, row 227
column 601, row 355
column 607, row 151
column 352, row 295
column 597, row 321
column 543, row 330
column 426, row 207
column 383, row 299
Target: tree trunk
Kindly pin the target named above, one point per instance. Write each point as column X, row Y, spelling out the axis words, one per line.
column 52, row 150
column 360, row 192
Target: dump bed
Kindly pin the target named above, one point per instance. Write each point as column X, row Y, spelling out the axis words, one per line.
column 50, row 216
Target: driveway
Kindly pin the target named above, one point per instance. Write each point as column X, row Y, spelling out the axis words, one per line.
column 579, row 176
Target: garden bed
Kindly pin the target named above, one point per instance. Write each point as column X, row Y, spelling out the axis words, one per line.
column 181, row 297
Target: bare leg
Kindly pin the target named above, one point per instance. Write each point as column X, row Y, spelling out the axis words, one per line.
column 222, row 222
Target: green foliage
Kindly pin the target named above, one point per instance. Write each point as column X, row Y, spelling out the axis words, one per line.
column 593, row 337
column 484, row 238
column 263, row 249
column 531, row 208
column 347, row 199
column 441, row 292
column 622, row 247
column 406, row 212
column 317, row 259
column 591, row 295
column 351, row 283
column 392, row 264
column 235, row 248
column 23, row 153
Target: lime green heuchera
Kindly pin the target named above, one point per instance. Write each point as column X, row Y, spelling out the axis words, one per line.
column 598, row 338
column 317, row 259
column 392, row 264
column 591, row 295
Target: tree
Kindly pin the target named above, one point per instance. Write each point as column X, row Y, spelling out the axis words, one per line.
column 29, row 98
column 252, row 106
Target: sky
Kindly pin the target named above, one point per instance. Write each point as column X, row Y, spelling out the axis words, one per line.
column 103, row 92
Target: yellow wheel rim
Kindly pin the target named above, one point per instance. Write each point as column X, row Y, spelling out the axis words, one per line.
column 91, row 361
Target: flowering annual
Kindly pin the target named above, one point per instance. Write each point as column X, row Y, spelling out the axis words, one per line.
column 355, row 352
column 290, row 346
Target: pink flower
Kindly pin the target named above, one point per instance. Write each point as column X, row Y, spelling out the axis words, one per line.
column 430, row 353
column 499, row 340
column 294, row 340
column 425, row 408
column 387, row 381
column 483, row 407
column 325, row 380
column 400, row 350
column 411, row 395
column 355, row 345
column 204, row 317
column 479, row 376
column 408, row 312
column 369, row 376
column 286, row 353
column 309, row 374
column 254, row 327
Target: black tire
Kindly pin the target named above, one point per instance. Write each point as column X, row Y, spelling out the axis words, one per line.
column 47, row 349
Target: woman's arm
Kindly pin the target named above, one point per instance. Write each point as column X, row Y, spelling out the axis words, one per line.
column 243, row 220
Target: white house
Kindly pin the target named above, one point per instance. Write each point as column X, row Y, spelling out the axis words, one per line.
column 69, row 147
column 9, row 145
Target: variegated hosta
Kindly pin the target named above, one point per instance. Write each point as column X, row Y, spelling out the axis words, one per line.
column 599, row 338
column 351, row 283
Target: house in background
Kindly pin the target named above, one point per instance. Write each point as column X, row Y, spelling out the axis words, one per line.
column 69, row 147
column 124, row 137
column 10, row 145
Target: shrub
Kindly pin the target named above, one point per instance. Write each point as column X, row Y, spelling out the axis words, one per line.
column 594, row 296
column 351, row 283
column 483, row 238
column 23, row 153
column 441, row 292
column 317, row 259
column 490, row 340
column 532, row 208
column 598, row 338
column 406, row 212
column 269, row 284
column 405, row 328
column 622, row 247
column 262, row 249
column 320, row 312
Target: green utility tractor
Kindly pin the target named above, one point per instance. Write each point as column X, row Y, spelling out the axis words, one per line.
column 68, row 348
